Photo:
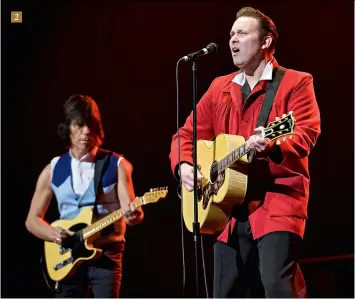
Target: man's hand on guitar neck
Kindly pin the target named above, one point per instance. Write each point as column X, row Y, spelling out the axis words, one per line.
column 258, row 143
column 132, row 215
column 187, row 176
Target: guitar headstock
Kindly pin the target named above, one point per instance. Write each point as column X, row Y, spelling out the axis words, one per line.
column 155, row 194
column 280, row 127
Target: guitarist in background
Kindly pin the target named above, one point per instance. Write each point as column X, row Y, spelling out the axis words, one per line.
column 264, row 233
column 70, row 178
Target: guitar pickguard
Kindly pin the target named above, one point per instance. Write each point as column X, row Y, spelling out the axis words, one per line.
column 211, row 188
column 75, row 245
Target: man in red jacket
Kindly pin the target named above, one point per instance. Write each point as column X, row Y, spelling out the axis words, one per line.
column 265, row 232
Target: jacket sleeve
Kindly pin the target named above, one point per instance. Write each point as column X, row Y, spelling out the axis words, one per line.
column 307, row 121
column 204, row 113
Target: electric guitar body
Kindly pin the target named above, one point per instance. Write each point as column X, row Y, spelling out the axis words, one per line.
column 62, row 261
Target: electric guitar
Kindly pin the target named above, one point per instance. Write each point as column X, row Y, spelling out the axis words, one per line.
column 223, row 163
column 63, row 260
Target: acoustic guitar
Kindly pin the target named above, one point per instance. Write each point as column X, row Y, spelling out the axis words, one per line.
column 224, row 165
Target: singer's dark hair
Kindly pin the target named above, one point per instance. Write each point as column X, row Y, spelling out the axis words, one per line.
column 267, row 26
column 80, row 110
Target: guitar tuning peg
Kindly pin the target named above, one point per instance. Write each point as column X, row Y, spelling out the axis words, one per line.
column 290, row 136
column 151, row 190
column 278, row 142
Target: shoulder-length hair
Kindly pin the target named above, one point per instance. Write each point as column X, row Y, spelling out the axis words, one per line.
column 81, row 110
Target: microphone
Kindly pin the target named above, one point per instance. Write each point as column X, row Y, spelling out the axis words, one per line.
column 210, row 48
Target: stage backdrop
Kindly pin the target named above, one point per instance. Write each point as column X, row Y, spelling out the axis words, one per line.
column 124, row 55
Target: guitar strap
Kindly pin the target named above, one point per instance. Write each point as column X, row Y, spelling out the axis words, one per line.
column 102, row 161
column 273, row 86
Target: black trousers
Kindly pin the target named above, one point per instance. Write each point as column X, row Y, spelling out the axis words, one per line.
column 266, row 267
column 99, row 278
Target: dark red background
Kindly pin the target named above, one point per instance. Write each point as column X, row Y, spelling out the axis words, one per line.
column 124, row 55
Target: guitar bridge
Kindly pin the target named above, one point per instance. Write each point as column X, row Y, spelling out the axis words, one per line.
column 63, row 263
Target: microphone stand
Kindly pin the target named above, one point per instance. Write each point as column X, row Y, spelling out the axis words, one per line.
column 212, row 47
column 196, row 224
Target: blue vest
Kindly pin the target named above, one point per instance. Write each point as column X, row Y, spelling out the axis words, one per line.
column 69, row 203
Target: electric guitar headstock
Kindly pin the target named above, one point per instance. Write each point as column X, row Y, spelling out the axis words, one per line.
column 280, row 127
column 154, row 195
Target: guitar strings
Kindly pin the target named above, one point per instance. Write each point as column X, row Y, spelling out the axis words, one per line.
column 215, row 167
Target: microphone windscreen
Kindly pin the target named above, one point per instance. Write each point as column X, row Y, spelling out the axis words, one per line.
column 212, row 47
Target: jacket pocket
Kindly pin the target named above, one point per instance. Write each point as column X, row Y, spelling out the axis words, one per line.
column 285, row 205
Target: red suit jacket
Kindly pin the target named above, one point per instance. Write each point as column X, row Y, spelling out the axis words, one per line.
column 281, row 205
